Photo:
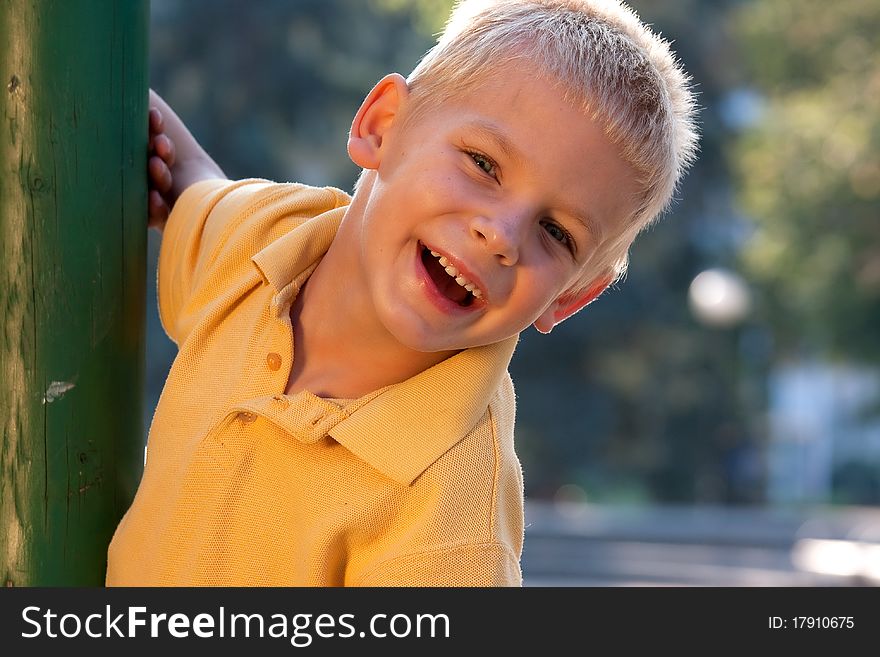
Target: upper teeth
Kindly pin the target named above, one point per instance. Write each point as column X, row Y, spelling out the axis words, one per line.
column 454, row 273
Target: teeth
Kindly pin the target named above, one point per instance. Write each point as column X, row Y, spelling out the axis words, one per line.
column 454, row 273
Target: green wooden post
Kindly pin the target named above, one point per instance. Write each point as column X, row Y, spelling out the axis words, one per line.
column 72, row 282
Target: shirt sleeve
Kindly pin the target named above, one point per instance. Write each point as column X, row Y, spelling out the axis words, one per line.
column 471, row 565
column 209, row 217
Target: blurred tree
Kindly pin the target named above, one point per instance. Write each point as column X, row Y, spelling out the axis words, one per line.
column 809, row 170
column 430, row 15
column 270, row 87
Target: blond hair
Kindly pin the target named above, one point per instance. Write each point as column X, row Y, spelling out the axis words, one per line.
column 607, row 62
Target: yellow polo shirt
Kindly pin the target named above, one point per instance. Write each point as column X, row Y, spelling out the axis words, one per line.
column 415, row 484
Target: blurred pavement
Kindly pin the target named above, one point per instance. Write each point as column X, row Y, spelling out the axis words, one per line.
column 587, row 545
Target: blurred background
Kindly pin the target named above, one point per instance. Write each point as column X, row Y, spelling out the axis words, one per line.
column 714, row 420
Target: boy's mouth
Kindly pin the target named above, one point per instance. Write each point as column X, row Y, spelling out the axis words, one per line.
column 448, row 280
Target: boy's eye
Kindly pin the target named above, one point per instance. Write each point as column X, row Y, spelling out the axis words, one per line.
column 558, row 233
column 484, row 163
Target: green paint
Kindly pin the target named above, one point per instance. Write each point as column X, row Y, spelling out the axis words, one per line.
column 73, row 214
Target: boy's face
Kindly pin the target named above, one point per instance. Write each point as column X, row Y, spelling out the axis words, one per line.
column 481, row 212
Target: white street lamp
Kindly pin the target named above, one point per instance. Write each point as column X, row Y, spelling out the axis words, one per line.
column 719, row 297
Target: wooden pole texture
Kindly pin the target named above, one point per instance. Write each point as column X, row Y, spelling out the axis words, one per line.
column 73, row 149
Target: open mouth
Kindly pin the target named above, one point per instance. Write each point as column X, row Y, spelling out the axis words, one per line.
column 448, row 280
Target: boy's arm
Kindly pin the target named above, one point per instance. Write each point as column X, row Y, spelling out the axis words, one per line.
column 176, row 161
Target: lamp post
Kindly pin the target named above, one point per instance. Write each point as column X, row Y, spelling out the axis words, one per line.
column 722, row 302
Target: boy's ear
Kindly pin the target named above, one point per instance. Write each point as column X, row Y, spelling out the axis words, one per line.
column 375, row 116
column 569, row 303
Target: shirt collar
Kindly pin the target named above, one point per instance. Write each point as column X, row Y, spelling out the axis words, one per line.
column 292, row 257
column 404, row 428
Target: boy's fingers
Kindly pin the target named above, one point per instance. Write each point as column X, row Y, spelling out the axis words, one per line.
column 164, row 148
column 158, row 209
column 160, row 175
column 156, row 122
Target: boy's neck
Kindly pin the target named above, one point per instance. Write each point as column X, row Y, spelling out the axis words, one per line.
column 341, row 350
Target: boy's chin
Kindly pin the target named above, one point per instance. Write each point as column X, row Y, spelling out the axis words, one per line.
column 417, row 334
column 431, row 343
column 448, row 345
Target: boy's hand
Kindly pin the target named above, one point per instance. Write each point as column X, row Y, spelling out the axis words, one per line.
column 175, row 161
column 159, row 165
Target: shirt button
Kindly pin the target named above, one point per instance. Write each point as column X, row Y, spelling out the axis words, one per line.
column 273, row 360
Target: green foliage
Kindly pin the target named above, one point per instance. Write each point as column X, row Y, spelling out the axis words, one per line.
column 270, row 87
column 430, row 15
column 809, row 172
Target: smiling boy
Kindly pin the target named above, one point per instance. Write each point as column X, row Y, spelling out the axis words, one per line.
column 340, row 411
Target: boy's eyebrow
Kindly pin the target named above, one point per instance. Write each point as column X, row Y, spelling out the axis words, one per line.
column 495, row 134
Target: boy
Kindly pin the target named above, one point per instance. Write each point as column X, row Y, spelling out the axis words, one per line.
column 340, row 411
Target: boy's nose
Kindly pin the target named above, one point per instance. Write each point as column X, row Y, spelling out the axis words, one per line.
column 498, row 236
